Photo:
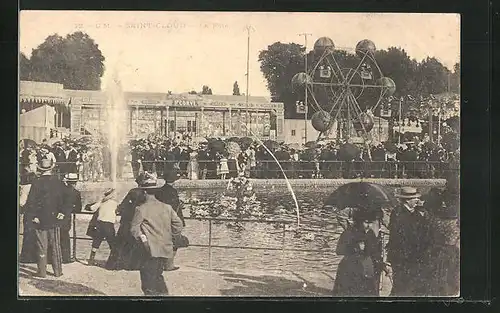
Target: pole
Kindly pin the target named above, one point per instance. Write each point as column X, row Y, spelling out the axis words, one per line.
column 305, row 95
column 400, row 103
column 430, row 123
column 248, row 76
column 439, row 125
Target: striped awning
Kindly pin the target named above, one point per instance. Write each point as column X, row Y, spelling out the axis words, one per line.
column 42, row 99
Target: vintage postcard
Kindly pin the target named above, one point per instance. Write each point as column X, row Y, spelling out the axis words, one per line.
column 239, row 154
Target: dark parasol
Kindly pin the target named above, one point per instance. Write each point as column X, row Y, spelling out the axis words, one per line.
column 271, row 144
column 216, row 145
column 390, row 146
column 361, row 195
column 246, row 142
column 348, row 152
column 29, row 143
column 311, row 144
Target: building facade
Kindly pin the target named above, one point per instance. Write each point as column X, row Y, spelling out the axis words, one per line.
column 163, row 113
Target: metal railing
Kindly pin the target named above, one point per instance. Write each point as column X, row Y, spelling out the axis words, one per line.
column 264, row 169
column 74, row 237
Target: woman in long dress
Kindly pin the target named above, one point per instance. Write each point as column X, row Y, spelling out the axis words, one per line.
column 193, row 167
column 358, row 272
column 222, row 169
column 127, row 254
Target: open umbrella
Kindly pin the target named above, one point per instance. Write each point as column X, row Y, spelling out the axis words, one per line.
column 271, row 144
column 294, row 146
column 216, row 145
column 451, row 141
column 311, row 144
column 53, row 141
column 28, row 143
column 390, row 146
column 245, row 142
column 361, row 195
column 233, row 139
column 348, row 151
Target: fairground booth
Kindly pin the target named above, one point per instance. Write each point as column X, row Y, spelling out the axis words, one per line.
column 85, row 113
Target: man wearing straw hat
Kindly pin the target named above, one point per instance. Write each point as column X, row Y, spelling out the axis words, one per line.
column 153, row 225
column 45, row 209
column 74, row 201
column 408, row 243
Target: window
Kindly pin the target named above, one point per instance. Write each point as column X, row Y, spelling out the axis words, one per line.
column 191, row 126
column 293, row 132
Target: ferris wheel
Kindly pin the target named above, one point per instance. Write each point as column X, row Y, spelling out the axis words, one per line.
column 343, row 89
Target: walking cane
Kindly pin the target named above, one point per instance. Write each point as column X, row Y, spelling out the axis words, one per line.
column 74, row 235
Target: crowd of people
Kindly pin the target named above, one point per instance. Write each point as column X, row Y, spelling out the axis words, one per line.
column 222, row 159
column 149, row 234
column 423, row 251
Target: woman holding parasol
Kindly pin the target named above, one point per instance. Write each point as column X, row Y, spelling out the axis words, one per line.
column 361, row 243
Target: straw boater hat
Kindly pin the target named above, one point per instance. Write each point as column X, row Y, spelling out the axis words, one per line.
column 71, row 177
column 108, row 194
column 408, row 193
column 45, row 165
column 147, row 181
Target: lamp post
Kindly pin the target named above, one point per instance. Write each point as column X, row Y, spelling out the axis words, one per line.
column 248, row 28
column 305, row 96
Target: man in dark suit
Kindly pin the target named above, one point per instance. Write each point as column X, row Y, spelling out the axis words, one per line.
column 45, row 209
column 72, row 159
column 74, row 200
column 60, row 155
column 408, row 244
column 154, row 224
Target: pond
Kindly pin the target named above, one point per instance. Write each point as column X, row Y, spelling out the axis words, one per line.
column 319, row 231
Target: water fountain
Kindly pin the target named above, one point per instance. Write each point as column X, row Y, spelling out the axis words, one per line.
column 116, row 114
column 289, row 186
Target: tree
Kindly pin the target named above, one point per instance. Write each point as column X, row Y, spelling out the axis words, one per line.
column 397, row 65
column 24, row 67
column 205, row 90
column 192, row 92
column 236, row 89
column 432, row 77
column 279, row 63
column 455, row 78
column 74, row 61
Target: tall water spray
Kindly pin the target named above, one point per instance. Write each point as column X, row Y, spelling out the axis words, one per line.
column 116, row 113
column 289, row 186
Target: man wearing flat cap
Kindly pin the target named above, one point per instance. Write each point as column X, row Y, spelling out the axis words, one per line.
column 45, row 209
column 408, row 244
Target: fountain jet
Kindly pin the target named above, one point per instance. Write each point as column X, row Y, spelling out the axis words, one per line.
column 289, row 186
column 116, row 113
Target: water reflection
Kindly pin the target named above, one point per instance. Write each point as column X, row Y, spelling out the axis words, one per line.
column 319, row 230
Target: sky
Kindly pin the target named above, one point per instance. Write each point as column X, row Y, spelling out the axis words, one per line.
column 181, row 51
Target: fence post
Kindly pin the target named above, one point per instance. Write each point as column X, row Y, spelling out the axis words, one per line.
column 210, row 244
column 74, row 235
column 283, row 248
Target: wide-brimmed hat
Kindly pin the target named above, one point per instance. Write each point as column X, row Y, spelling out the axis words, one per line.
column 45, row 165
column 408, row 193
column 171, row 176
column 71, row 177
column 363, row 214
column 108, row 194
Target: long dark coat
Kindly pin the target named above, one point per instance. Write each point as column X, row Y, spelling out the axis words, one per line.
column 46, row 199
column 74, row 200
column 358, row 273
column 128, row 254
column 407, row 251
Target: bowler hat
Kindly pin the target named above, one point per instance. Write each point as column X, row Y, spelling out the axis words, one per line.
column 408, row 193
column 45, row 165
